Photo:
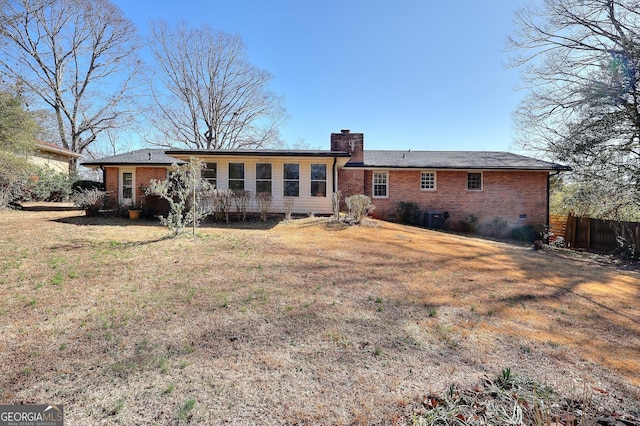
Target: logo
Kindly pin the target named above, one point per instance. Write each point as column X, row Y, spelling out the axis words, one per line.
column 31, row 415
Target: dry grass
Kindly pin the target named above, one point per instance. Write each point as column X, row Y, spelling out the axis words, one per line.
column 304, row 322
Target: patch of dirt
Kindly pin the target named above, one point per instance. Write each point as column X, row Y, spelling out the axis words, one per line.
column 305, row 322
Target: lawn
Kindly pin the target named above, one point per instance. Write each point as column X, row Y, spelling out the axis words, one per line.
column 306, row 322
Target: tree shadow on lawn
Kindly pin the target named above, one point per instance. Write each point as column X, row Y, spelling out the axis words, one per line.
column 155, row 223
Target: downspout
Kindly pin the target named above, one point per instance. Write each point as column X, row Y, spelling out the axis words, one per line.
column 335, row 175
column 546, row 238
column 104, row 177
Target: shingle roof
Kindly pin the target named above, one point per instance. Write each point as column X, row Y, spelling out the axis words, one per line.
column 140, row 157
column 453, row 160
column 261, row 152
column 467, row 160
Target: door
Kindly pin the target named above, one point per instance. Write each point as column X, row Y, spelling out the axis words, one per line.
column 127, row 184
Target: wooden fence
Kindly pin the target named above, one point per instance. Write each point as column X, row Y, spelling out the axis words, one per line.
column 593, row 234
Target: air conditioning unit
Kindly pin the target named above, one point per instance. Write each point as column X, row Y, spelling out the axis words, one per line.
column 434, row 220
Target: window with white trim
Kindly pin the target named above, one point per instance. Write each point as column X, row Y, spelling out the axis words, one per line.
column 263, row 178
column 210, row 173
column 318, row 180
column 474, row 181
column 127, row 185
column 428, row 181
column 291, row 180
column 380, row 184
column 236, row 176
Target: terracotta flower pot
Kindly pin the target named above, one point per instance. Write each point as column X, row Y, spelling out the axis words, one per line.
column 134, row 214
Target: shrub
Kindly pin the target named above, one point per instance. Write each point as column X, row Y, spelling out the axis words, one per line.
column 525, row 233
column 469, row 223
column 263, row 201
column 359, row 206
column 241, row 200
column 187, row 194
column 222, row 199
column 628, row 241
column 81, row 184
column 335, row 204
column 288, row 207
column 90, row 200
column 408, row 212
column 497, row 228
column 52, row 185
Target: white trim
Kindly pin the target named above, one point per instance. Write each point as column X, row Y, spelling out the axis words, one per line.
column 244, row 174
column 325, row 180
column 373, row 183
column 481, row 181
column 435, row 181
column 217, row 172
column 285, row 180
column 121, row 172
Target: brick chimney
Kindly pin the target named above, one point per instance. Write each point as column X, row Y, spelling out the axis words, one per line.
column 352, row 143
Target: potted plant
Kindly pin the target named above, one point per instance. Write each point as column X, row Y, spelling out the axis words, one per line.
column 135, row 210
column 90, row 200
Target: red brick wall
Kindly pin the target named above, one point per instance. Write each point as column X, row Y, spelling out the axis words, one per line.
column 351, row 182
column 144, row 176
column 504, row 194
column 352, row 143
column 111, row 185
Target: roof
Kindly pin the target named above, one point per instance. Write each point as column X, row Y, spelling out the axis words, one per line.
column 51, row 147
column 466, row 160
column 459, row 160
column 261, row 153
column 140, row 157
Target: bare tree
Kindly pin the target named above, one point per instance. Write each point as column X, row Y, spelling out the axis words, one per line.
column 76, row 57
column 207, row 94
column 581, row 64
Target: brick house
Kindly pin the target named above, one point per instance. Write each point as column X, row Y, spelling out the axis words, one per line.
column 488, row 185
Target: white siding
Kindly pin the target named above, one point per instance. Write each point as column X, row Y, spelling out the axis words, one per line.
column 303, row 204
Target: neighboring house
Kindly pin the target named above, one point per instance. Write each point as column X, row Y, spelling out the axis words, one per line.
column 53, row 156
column 485, row 184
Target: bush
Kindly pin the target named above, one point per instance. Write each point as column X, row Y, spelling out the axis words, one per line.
column 288, row 207
column 90, row 200
column 263, row 201
column 408, row 212
column 188, row 196
column 241, row 200
column 52, row 185
column 335, row 204
column 82, row 184
column 469, row 223
column 359, row 206
column 525, row 233
column 497, row 228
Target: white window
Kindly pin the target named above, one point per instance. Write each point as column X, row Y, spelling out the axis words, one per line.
column 263, row 178
column 318, row 180
column 210, row 173
column 474, row 181
column 380, row 184
column 236, row 176
column 428, row 181
column 291, row 180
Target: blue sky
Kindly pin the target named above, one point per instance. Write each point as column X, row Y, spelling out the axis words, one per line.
column 409, row 74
